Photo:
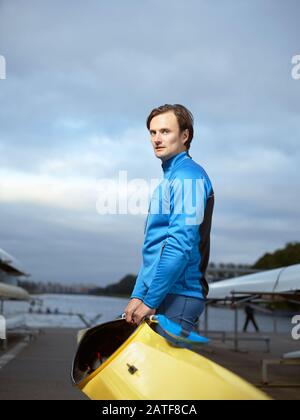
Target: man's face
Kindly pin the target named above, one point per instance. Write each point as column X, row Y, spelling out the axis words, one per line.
column 165, row 137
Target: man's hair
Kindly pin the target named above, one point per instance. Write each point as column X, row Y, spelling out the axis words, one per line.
column 184, row 117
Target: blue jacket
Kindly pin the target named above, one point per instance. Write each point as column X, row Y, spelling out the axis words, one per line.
column 177, row 234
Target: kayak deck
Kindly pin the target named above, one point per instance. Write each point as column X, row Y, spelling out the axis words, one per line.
column 141, row 364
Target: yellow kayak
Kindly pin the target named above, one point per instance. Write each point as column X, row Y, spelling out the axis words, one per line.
column 119, row 361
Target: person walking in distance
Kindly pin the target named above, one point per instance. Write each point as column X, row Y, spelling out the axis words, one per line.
column 249, row 311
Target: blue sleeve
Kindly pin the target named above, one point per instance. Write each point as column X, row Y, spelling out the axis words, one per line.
column 140, row 289
column 187, row 204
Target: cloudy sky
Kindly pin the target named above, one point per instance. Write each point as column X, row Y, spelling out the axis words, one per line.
column 81, row 79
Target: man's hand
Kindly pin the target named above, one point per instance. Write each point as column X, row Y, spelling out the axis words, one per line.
column 141, row 312
column 131, row 307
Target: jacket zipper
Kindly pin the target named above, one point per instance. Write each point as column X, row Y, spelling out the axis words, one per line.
column 163, row 246
column 146, row 223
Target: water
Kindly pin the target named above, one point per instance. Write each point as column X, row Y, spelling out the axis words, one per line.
column 110, row 308
column 88, row 306
column 223, row 319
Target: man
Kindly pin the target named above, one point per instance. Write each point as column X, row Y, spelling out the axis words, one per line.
column 171, row 280
column 249, row 311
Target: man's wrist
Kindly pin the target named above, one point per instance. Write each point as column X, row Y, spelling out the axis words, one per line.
column 151, row 306
column 136, row 297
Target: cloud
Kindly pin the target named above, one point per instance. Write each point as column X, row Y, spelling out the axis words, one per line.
column 80, row 84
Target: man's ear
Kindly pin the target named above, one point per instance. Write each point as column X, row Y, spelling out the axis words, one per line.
column 186, row 132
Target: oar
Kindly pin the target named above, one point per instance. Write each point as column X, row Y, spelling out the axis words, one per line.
column 176, row 330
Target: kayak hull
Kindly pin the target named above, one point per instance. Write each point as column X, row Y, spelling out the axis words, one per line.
column 148, row 367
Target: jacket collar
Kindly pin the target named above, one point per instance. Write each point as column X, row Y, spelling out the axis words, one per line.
column 170, row 164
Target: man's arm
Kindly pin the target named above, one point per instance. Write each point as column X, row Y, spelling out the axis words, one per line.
column 140, row 289
column 187, row 204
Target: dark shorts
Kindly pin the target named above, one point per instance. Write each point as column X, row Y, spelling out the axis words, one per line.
column 183, row 310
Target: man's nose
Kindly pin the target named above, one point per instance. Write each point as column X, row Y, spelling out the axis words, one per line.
column 156, row 136
column 157, row 140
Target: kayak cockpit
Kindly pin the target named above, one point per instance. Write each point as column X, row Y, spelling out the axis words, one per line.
column 97, row 345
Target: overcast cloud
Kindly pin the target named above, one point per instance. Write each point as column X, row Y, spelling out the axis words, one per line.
column 81, row 79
